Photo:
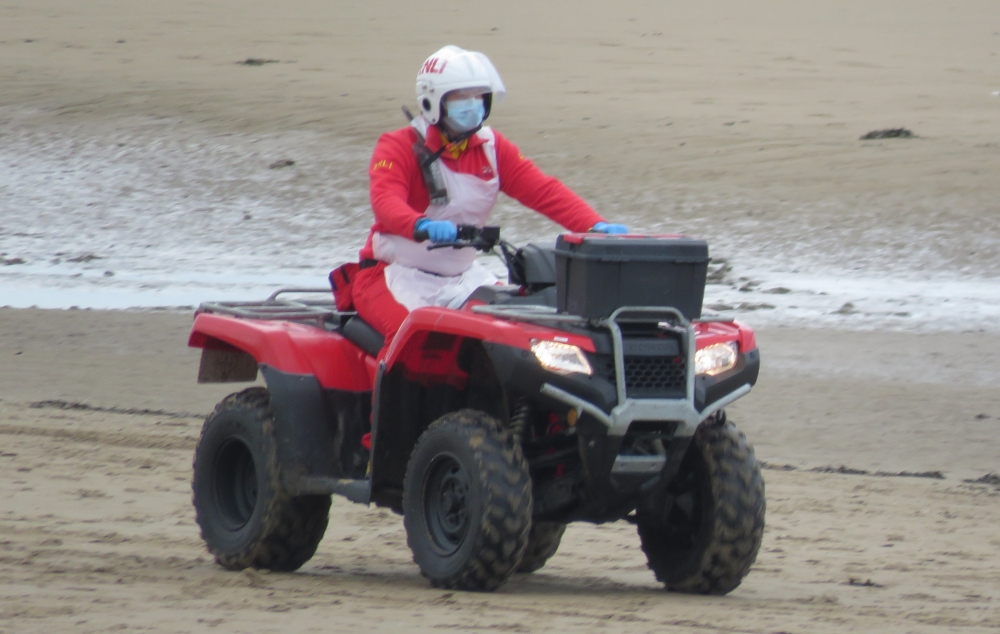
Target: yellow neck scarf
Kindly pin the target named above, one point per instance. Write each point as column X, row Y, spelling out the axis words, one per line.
column 454, row 149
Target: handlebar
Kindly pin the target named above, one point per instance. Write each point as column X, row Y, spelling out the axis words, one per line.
column 484, row 239
column 469, row 236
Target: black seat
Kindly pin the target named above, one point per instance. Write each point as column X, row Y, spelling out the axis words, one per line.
column 508, row 295
column 361, row 334
column 539, row 262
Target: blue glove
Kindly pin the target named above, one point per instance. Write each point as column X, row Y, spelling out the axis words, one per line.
column 603, row 227
column 438, row 230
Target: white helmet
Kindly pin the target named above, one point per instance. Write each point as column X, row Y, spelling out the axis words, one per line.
column 454, row 68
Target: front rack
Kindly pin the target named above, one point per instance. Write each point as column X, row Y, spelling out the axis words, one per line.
column 320, row 311
column 527, row 312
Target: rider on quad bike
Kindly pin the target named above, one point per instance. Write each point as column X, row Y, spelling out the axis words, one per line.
column 589, row 388
column 442, row 170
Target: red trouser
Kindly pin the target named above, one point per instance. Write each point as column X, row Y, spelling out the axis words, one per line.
column 374, row 301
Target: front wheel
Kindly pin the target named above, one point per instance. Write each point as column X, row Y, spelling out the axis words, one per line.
column 703, row 533
column 467, row 502
column 246, row 517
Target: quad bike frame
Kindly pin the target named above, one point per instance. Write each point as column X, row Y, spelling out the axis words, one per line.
column 326, row 382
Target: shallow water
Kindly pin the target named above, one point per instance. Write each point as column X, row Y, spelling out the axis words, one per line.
column 157, row 213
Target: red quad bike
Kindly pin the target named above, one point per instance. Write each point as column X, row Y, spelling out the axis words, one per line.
column 588, row 389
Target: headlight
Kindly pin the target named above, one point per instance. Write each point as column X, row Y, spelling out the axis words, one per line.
column 561, row 357
column 716, row 358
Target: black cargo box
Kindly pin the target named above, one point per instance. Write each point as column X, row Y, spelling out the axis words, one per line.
column 597, row 273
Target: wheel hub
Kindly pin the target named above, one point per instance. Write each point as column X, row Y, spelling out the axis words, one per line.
column 236, row 483
column 445, row 504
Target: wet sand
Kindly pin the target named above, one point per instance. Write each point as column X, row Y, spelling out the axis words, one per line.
column 737, row 122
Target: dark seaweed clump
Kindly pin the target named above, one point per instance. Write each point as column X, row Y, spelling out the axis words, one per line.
column 989, row 478
column 256, row 61
column 888, row 133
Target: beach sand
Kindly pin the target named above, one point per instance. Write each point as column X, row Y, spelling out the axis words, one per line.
column 646, row 108
column 100, row 412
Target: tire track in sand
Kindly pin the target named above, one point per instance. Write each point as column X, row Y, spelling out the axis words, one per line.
column 113, row 439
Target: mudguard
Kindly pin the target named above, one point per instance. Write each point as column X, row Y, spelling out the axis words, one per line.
column 318, row 430
column 319, row 384
column 289, row 347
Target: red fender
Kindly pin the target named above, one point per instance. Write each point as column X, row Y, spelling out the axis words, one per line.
column 708, row 333
column 427, row 343
column 289, row 347
column 478, row 326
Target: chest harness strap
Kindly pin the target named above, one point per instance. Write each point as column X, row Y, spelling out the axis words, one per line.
column 430, row 169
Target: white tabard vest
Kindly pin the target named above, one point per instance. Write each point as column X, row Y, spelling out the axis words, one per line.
column 443, row 277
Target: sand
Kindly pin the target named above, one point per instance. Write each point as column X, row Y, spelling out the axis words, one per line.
column 97, row 531
column 738, row 120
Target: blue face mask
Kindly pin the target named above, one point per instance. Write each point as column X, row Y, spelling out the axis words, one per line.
column 465, row 114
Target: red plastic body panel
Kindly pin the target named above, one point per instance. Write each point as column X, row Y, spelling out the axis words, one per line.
column 290, row 347
column 707, row 333
column 465, row 323
column 426, row 345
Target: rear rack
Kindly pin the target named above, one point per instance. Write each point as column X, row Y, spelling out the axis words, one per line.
column 320, row 311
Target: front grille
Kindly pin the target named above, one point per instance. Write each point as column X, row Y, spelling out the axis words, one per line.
column 655, row 376
column 647, row 376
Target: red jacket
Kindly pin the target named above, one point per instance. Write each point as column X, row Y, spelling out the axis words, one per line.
column 399, row 195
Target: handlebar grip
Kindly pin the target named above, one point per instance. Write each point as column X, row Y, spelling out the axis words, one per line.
column 453, row 245
column 421, row 235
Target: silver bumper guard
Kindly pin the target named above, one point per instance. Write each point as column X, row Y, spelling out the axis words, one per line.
column 681, row 410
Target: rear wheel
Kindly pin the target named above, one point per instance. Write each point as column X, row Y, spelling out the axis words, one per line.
column 246, row 517
column 467, row 502
column 703, row 534
column 543, row 542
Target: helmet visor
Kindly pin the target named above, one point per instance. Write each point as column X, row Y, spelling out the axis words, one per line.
column 466, row 93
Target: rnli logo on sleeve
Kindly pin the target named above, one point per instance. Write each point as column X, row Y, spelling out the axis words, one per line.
column 433, row 66
column 382, row 165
